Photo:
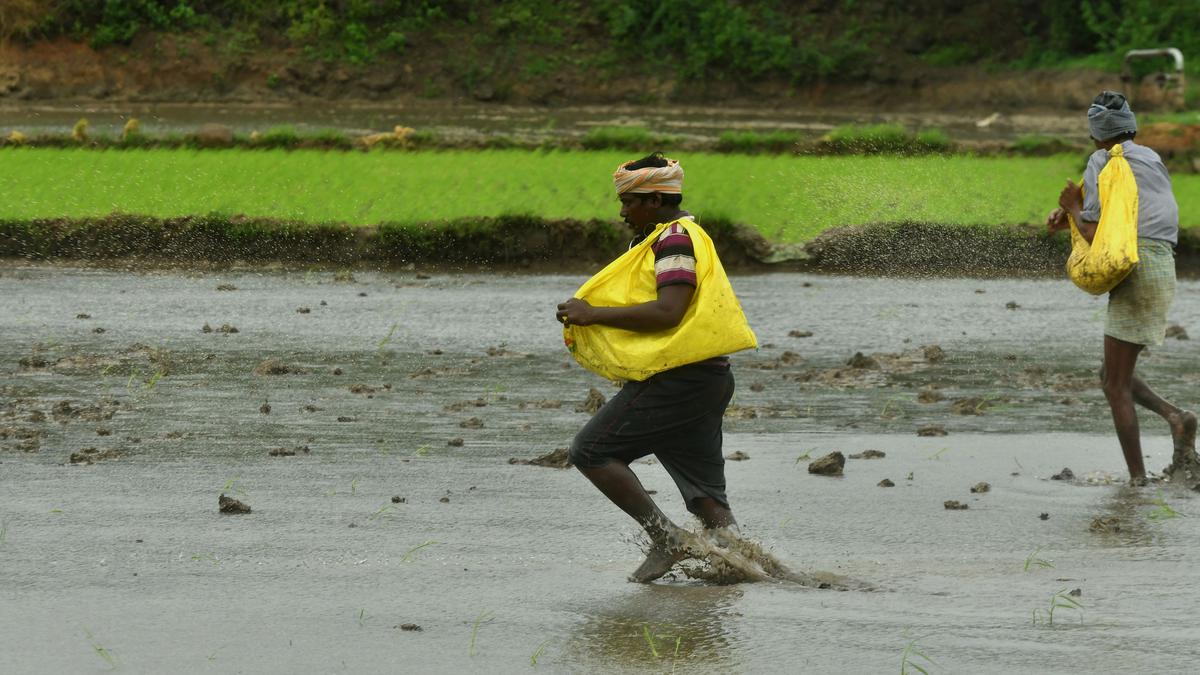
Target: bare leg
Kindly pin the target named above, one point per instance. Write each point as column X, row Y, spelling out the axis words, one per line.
column 1120, row 358
column 712, row 513
column 1182, row 422
column 618, row 482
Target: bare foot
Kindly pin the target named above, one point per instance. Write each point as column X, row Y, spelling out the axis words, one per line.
column 661, row 558
column 1183, row 431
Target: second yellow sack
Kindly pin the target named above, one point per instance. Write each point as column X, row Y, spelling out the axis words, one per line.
column 1098, row 267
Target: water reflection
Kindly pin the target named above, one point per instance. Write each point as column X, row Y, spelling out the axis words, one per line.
column 661, row 627
column 1124, row 520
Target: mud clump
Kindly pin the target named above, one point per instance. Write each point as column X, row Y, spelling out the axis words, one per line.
column 92, row 456
column 932, row 430
column 265, row 408
column 757, row 387
column 103, row 410
column 545, row 404
column 81, row 315
column 594, row 402
column 275, row 367
column 886, row 483
column 411, row 627
column 363, row 389
column 397, row 499
column 972, row 405
column 1105, row 525
column 304, row 310
column 954, row 505
column 455, row 442
column 862, row 362
column 34, row 362
column 1184, row 468
column 459, row 406
column 980, row 488
column 929, row 394
column 869, row 454
column 227, row 329
column 1176, row 331
column 1065, row 474
column 289, row 452
column 738, row 456
column 829, row 465
column 934, row 353
column 559, row 458
column 471, row 423
column 226, row 287
column 800, row 333
column 229, row 505
column 344, row 418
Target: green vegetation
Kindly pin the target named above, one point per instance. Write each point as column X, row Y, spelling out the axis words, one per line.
column 788, row 199
column 1164, row 511
column 753, row 142
column 1032, row 560
column 884, row 139
column 689, row 40
column 485, row 616
column 633, row 139
column 1060, row 599
column 912, row 658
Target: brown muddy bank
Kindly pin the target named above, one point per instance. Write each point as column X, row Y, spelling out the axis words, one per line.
column 519, row 242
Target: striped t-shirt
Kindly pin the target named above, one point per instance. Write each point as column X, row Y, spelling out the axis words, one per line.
column 674, row 257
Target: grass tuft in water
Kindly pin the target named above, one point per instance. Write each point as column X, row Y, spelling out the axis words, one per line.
column 1060, row 599
column 410, row 554
column 1032, row 560
column 102, row 652
column 1164, row 510
column 484, row 616
column 912, row 658
column 533, row 658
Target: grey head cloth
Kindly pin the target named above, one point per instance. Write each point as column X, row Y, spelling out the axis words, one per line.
column 1109, row 116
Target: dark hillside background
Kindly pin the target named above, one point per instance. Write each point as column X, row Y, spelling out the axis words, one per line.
column 552, row 51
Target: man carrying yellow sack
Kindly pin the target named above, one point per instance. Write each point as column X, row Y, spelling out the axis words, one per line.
column 1138, row 304
column 662, row 318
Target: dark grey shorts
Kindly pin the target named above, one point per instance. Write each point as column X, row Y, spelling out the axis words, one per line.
column 676, row 416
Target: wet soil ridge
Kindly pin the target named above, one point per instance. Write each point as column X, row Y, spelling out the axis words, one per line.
column 508, row 240
column 931, row 249
column 894, row 249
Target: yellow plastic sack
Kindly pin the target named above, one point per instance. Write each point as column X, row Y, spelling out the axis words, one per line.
column 713, row 325
column 1112, row 255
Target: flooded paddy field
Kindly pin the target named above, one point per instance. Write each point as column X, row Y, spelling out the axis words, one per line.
column 368, row 420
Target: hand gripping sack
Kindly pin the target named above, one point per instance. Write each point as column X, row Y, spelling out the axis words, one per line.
column 713, row 325
column 1112, row 255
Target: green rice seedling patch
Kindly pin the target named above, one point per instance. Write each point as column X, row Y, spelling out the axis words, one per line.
column 788, row 199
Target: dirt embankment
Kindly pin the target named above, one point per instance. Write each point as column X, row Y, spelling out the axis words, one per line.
column 182, row 68
column 526, row 243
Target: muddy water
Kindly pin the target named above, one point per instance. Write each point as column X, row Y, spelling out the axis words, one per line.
column 127, row 558
column 528, row 122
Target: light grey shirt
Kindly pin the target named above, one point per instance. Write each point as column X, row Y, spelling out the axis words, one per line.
column 1158, row 212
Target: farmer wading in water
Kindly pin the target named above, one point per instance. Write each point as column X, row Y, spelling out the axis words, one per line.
column 674, row 296
column 1137, row 306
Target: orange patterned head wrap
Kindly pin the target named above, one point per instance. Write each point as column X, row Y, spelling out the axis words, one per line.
column 666, row 179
